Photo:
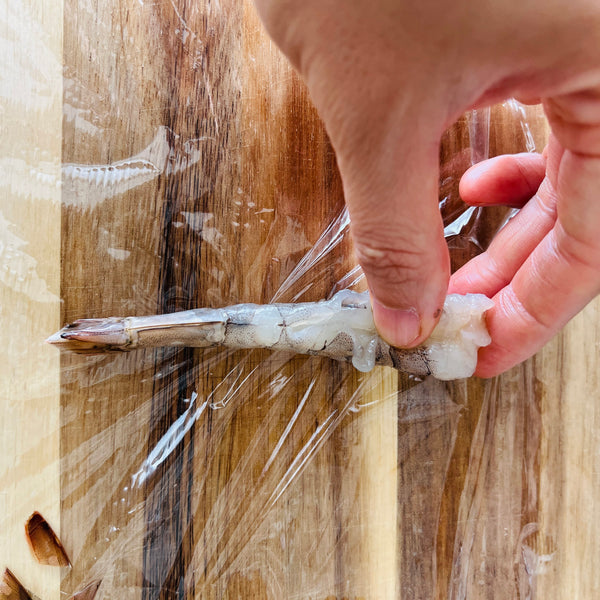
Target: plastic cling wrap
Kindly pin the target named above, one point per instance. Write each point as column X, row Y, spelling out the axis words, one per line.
column 184, row 166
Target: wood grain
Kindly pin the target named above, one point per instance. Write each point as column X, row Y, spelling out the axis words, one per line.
column 562, row 549
column 30, row 147
column 115, row 148
column 196, row 172
column 490, row 494
column 217, row 224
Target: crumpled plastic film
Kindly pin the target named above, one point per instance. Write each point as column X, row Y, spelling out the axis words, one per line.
column 253, row 474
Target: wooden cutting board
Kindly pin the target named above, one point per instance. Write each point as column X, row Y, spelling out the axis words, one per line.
column 194, row 171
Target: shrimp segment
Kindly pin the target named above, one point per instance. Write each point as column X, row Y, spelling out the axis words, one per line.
column 340, row 328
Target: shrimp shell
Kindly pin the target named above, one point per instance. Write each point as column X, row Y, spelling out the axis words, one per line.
column 341, row 328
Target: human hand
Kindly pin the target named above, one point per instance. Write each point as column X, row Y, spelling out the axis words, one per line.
column 543, row 267
column 388, row 77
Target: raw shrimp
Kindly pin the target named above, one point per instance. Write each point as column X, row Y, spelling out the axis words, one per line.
column 340, row 328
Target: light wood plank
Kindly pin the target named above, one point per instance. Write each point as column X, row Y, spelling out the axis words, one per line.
column 562, row 552
column 30, row 152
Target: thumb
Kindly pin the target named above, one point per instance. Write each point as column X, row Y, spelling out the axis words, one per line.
column 398, row 236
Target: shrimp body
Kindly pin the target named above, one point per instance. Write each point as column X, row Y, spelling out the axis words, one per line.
column 340, row 328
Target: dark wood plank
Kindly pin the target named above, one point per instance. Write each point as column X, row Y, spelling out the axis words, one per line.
column 246, row 185
column 115, row 147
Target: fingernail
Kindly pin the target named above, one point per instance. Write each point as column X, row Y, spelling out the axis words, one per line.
column 397, row 327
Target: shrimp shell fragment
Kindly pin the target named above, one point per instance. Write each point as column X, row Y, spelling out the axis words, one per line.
column 340, row 328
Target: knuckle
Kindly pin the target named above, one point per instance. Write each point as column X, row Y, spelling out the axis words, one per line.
column 523, row 313
column 545, row 200
column 578, row 249
column 575, row 120
column 393, row 264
